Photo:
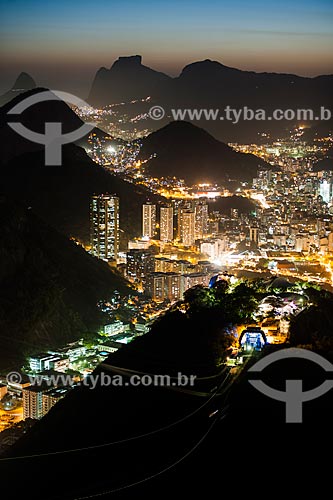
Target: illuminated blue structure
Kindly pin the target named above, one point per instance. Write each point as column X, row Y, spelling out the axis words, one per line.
column 218, row 277
column 252, row 338
column 212, row 281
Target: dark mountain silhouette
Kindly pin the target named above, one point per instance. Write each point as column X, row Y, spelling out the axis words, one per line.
column 49, row 286
column 212, row 81
column 34, row 118
column 186, row 151
column 61, row 194
column 22, row 83
column 210, row 84
column 127, row 79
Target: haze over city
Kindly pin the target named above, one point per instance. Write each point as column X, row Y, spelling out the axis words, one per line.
column 62, row 44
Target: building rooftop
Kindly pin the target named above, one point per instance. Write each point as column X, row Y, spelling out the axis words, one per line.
column 43, row 355
column 59, row 391
column 43, row 387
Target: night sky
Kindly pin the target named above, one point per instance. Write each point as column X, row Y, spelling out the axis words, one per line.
column 62, row 43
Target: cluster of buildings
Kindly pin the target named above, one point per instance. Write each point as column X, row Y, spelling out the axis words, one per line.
column 295, row 196
column 298, row 216
column 182, row 220
column 289, row 152
column 184, row 223
column 292, row 220
column 293, row 215
column 183, row 244
column 56, row 372
column 163, row 278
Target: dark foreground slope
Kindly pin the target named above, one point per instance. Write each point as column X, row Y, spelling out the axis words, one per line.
column 221, row 448
column 49, row 286
column 158, row 442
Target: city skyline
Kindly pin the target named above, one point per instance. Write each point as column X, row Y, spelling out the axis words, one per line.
column 62, row 45
column 184, row 243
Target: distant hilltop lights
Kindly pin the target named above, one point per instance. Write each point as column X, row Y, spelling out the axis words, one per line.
column 208, row 190
column 209, row 194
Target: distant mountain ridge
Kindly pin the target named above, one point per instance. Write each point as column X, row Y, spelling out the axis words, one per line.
column 22, row 83
column 127, row 79
column 210, row 84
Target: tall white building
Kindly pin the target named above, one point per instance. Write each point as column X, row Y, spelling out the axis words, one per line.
column 201, row 219
column 183, row 206
column 104, row 226
column 213, row 248
column 325, row 191
column 148, row 220
column 33, row 402
column 38, row 400
column 188, row 228
column 166, row 224
column 254, row 234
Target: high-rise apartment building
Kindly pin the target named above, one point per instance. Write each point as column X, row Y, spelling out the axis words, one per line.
column 104, row 226
column 39, row 399
column 254, row 234
column 33, row 402
column 148, row 220
column 139, row 264
column 188, row 228
column 201, row 219
column 184, row 205
column 166, row 224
